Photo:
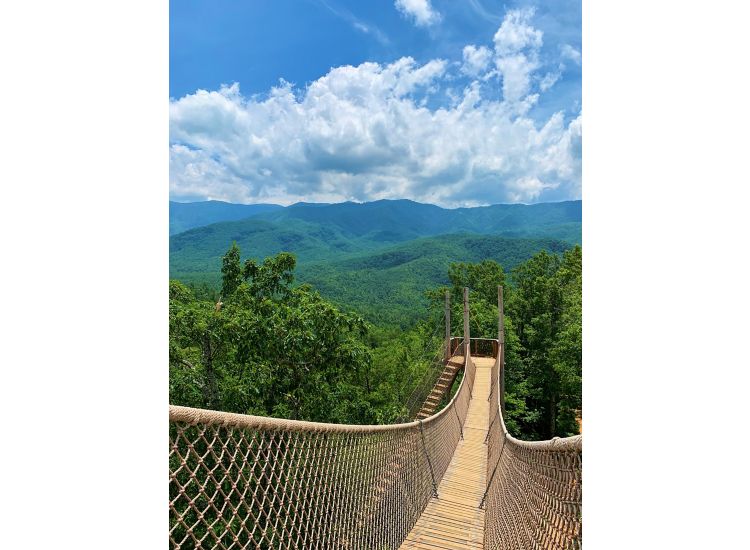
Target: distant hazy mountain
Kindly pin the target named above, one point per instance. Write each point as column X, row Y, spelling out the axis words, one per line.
column 321, row 232
column 378, row 257
column 187, row 215
column 201, row 249
column 403, row 220
column 394, row 220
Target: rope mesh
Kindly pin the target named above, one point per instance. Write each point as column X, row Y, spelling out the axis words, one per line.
column 533, row 496
column 239, row 481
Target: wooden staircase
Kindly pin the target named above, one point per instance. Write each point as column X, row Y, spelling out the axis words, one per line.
column 441, row 388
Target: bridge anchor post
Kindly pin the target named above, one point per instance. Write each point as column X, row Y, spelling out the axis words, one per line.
column 501, row 344
column 448, row 350
column 467, row 334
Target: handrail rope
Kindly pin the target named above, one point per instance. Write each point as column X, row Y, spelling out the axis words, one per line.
column 191, row 415
column 321, row 471
column 573, row 444
column 535, row 458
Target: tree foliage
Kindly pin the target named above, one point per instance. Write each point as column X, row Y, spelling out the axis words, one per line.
column 544, row 309
column 542, row 335
column 268, row 346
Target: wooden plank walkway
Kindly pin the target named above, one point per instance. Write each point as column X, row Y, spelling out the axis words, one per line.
column 454, row 520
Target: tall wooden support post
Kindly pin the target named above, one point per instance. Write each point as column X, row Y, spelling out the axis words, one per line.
column 448, row 350
column 501, row 344
column 467, row 336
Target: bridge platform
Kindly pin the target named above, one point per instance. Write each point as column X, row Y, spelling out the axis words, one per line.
column 454, row 520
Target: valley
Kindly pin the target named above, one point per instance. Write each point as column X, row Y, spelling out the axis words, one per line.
column 375, row 258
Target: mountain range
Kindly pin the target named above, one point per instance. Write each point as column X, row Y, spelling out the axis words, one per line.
column 187, row 215
column 375, row 257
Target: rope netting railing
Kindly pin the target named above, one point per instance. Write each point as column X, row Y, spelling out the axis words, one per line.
column 533, row 495
column 240, row 481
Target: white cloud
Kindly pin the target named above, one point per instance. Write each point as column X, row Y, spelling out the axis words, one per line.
column 359, row 133
column 569, row 52
column 376, row 131
column 517, row 46
column 549, row 80
column 476, row 60
column 421, row 10
column 516, row 34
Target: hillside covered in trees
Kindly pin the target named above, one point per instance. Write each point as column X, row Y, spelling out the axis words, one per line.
column 376, row 258
column 264, row 344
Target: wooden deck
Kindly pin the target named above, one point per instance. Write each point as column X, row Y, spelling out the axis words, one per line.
column 454, row 520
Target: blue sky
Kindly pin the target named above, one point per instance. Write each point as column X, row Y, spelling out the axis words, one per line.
column 448, row 102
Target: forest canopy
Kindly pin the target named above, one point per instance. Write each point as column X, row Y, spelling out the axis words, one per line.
column 266, row 346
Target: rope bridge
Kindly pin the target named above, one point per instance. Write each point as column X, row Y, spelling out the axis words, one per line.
column 455, row 479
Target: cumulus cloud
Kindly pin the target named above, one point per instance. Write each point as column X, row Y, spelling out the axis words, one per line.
column 377, row 131
column 549, row 80
column 569, row 52
column 476, row 60
column 517, row 45
column 420, row 10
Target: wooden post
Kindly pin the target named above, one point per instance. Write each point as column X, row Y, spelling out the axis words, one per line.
column 501, row 344
column 448, row 326
column 467, row 335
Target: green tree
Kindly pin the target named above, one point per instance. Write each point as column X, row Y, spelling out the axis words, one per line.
column 566, row 352
column 544, row 307
column 542, row 335
column 231, row 271
column 481, row 278
column 270, row 349
column 274, row 276
column 196, row 347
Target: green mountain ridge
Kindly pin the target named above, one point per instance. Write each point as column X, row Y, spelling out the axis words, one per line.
column 402, row 220
column 201, row 249
column 378, row 258
column 388, row 286
column 188, row 215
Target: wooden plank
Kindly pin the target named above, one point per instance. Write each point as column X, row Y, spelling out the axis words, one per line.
column 454, row 521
